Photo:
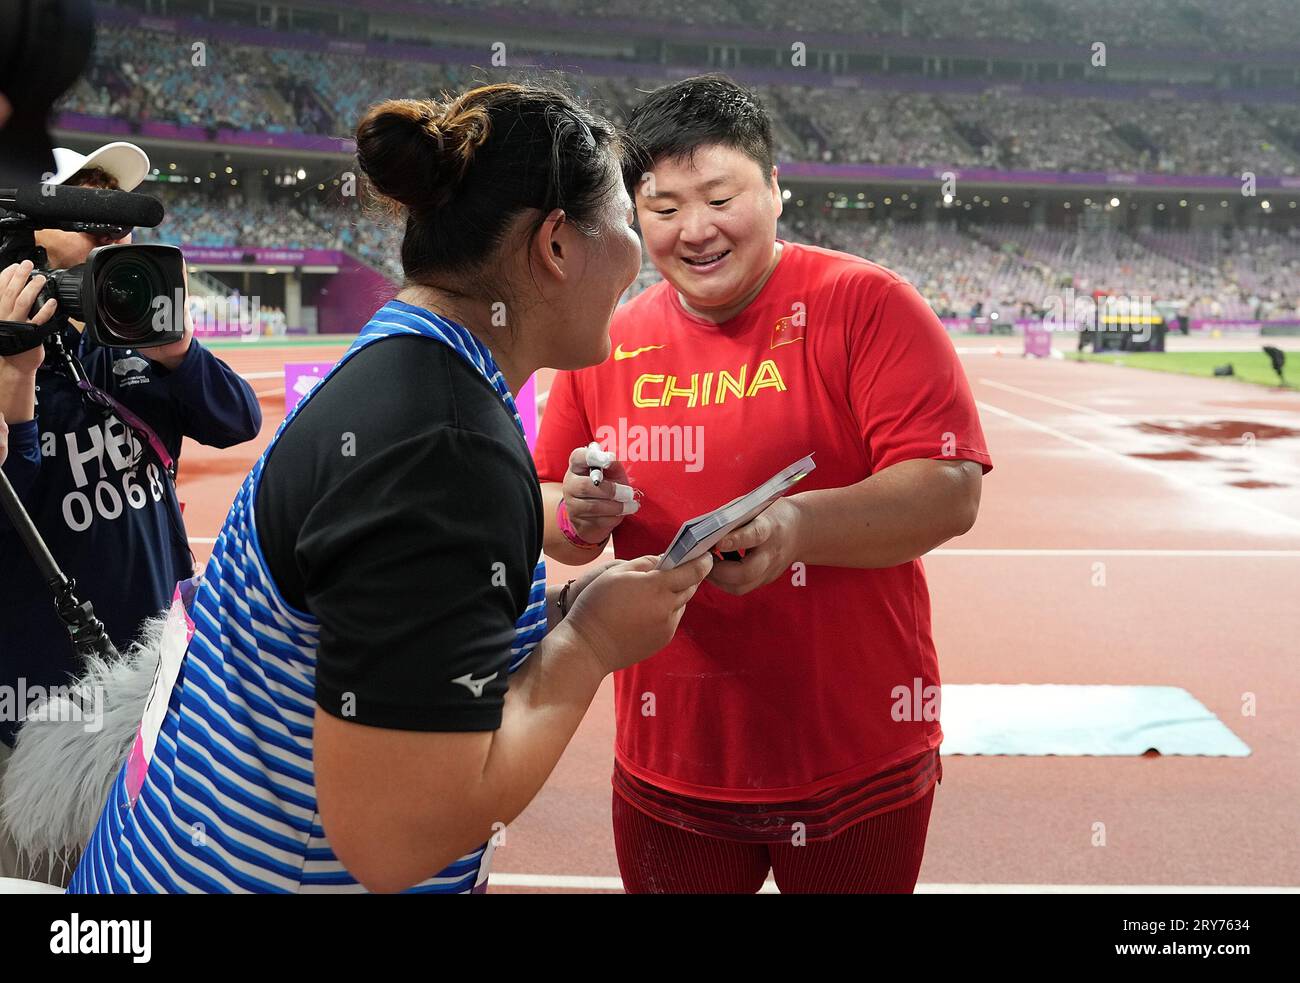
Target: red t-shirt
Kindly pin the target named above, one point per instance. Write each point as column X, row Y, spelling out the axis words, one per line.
column 795, row 687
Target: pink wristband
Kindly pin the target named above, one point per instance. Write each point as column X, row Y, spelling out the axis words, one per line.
column 566, row 529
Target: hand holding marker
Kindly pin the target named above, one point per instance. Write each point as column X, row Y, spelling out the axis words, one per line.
column 597, row 461
column 596, row 497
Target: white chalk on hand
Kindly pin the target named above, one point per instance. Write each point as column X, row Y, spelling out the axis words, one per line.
column 597, row 458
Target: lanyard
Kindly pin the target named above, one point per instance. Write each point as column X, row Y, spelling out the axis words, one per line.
column 107, row 402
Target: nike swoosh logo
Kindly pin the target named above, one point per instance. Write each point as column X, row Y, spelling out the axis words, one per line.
column 619, row 354
column 475, row 686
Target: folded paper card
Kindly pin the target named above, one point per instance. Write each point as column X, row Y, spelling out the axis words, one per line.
column 697, row 536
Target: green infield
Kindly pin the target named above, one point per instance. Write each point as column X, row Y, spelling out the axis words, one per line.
column 282, row 342
column 1246, row 366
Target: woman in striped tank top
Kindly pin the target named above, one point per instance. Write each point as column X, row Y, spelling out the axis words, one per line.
column 378, row 676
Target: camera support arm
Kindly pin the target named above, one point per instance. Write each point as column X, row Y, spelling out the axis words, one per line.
column 87, row 631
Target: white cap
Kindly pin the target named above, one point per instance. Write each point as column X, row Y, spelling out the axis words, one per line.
column 124, row 161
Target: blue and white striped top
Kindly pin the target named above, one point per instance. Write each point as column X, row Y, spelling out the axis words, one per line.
column 229, row 800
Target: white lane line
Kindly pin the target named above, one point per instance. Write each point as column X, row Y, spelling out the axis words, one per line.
column 262, row 375
column 575, row 882
column 1078, row 408
column 580, row 883
column 1180, row 554
column 1144, row 466
column 1118, row 417
column 1200, row 417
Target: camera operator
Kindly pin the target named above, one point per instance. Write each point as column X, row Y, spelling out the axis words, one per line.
column 93, row 470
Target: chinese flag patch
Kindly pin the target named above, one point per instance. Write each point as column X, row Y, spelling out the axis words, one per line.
column 790, row 328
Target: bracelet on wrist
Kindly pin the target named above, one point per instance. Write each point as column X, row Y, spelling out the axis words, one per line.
column 568, row 532
column 562, row 602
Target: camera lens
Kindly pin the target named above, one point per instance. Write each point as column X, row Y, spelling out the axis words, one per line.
column 130, row 296
column 125, row 298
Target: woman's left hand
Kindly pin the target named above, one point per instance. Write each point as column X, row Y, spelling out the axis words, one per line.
column 582, row 582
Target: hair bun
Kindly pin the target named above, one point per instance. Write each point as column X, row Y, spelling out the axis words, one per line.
column 417, row 151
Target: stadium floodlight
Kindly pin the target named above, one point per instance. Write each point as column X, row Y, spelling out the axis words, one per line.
column 1114, row 203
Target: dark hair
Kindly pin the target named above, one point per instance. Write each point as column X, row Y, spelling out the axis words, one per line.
column 93, row 177
column 464, row 168
column 673, row 120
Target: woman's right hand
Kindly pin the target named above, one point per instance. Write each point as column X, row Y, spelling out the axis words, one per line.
column 631, row 610
column 17, row 295
column 593, row 509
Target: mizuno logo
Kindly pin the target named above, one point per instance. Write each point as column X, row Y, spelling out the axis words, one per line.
column 619, row 354
column 475, row 686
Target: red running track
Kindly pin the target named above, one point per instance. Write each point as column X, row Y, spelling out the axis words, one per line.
column 1094, row 464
